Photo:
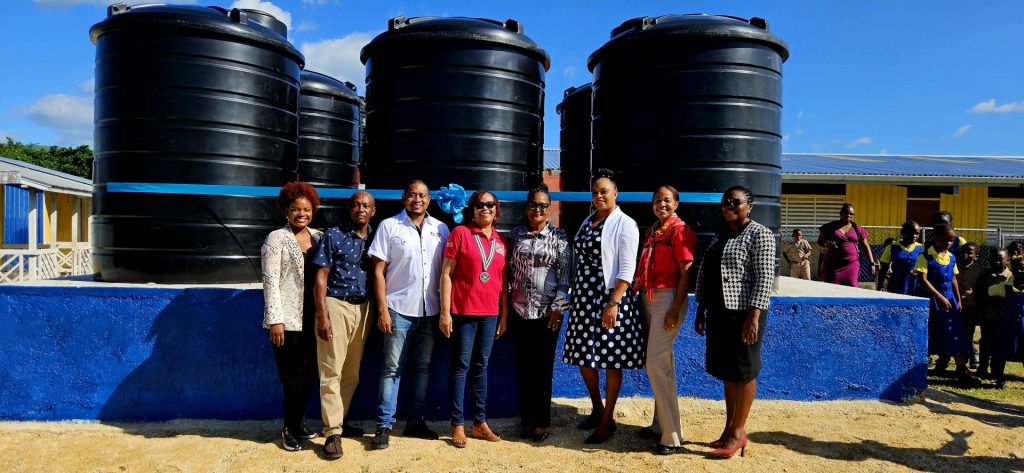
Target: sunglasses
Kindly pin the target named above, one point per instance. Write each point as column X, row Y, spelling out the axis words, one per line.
column 537, row 206
column 732, row 202
column 481, row 205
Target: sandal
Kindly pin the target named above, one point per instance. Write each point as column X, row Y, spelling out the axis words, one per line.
column 459, row 437
column 488, row 435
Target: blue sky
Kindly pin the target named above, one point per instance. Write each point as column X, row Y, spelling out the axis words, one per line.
column 870, row 77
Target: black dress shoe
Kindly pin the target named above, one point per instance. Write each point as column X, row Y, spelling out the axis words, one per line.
column 666, row 450
column 289, row 442
column 301, row 432
column 419, row 429
column 349, row 430
column 381, row 439
column 648, row 434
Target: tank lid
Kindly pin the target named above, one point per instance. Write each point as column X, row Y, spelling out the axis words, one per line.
column 688, row 27
column 250, row 25
column 571, row 93
column 432, row 28
column 312, row 81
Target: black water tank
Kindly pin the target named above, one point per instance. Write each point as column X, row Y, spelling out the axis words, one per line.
column 694, row 101
column 574, row 158
column 329, row 140
column 455, row 100
column 190, row 95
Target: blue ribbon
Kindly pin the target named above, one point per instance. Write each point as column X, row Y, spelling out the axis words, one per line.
column 452, row 199
column 384, row 194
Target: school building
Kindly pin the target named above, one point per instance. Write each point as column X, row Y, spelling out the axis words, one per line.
column 45, row 223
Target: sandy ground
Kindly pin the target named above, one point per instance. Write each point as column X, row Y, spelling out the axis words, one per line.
column 938, row 432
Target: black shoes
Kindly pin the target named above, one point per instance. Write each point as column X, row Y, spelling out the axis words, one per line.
column 419, row 429
column 289, row 442
column 666, row 450
column 965, row 379
column 648, row 433
column 381, row 439
column 303, row 433
column 332, row 447
column 349, row 430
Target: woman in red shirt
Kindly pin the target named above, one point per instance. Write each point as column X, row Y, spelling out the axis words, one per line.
column 662, row 279
column 474, row 308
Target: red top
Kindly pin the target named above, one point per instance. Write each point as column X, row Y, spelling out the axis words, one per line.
column 470, row 295
column 664, row 247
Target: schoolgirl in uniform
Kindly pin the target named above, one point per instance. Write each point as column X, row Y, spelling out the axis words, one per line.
column 901, row 257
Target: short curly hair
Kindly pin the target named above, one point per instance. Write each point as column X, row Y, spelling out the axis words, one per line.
column 295, row 189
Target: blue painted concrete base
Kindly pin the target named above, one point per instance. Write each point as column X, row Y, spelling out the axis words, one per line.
column 144, row 352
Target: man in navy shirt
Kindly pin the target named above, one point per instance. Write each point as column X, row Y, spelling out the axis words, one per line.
column 342, row 317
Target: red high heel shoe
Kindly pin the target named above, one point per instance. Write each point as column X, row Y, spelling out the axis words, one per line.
column 729, row 452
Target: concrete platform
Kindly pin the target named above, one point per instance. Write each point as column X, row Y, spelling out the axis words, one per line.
column 78, row 349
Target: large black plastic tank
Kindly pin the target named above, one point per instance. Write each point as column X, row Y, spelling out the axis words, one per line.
column 329, row 126
column 455, row 100
column 574, row 158
column 694, row 101
column 190, row 95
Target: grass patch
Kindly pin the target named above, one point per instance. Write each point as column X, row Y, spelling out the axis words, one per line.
column 1013, row 394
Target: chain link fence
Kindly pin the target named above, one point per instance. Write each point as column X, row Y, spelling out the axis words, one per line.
column 987, row 239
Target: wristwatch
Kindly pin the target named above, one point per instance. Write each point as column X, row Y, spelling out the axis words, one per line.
column 613, row 302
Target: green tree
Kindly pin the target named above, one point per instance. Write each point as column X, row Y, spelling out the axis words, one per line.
column 76, row 161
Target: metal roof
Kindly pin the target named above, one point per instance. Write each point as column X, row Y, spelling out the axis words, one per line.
column 888, row 168
column 904, row 168
column 21, row 173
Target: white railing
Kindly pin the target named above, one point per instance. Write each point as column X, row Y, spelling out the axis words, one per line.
column 67, row 259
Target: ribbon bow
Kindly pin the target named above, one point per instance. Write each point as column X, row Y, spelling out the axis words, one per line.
column 452, row 199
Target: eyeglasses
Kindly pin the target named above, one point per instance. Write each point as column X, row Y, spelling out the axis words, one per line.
column 732, row 202
column 481, row 205
column 537, row 206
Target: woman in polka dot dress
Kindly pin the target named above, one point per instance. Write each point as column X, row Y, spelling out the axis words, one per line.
column 604, row 330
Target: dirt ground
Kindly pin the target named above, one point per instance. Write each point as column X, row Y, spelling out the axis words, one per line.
column 938, row 432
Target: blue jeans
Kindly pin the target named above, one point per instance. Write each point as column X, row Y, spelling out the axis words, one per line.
column 411, row 337
column 472, row 339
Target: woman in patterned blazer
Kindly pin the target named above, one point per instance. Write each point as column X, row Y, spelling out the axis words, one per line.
column 733, row 287
column 289, row 310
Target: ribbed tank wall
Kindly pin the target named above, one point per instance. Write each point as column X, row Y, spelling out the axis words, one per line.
column 329, row 127
column 574, row 162
column 190, row 95
column 455, row 100
column 694, row 101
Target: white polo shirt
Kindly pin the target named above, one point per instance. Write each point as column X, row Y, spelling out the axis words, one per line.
column 413, row 272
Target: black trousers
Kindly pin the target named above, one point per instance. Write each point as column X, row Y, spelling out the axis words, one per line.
column 296, row 366
column 988, row 338
column 535, row 360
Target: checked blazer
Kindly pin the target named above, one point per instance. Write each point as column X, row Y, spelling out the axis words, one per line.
column 748, row 269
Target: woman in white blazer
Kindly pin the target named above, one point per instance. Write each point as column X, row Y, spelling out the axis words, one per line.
column 604, row 330
column 289, row 310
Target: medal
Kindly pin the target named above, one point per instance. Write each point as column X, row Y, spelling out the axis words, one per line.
column 485, row 259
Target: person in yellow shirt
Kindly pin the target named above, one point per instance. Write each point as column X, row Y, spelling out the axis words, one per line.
column 990, row 309
column 1009, row 342
column 936, row 272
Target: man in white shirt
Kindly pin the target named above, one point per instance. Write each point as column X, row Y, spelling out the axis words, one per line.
column 407, row 253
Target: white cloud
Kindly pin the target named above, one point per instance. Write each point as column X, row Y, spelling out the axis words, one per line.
column 338, row 57
column 266, row 7
column 569, row 71
column 796, row 132
column 70, row 116
column 883, row 151
column 14, row 135
column 961, row 131
column 103, row 3
column 990, row 106
column 88, row 86
column 304, row 26
column 865, row 140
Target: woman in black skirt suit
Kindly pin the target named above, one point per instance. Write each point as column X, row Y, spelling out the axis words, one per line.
column 733, row 287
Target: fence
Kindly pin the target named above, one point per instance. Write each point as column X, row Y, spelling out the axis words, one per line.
column 986, row 238
column 66, row 259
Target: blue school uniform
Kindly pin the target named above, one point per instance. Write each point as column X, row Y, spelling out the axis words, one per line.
column 902, row 279
column 946, row 334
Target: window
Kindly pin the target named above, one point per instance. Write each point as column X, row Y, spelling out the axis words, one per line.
column 810, row 211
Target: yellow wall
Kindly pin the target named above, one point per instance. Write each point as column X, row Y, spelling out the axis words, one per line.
column 969, row 208
column 878, row 204
column 65, row 206
column 47, row 205
column 2, row 207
